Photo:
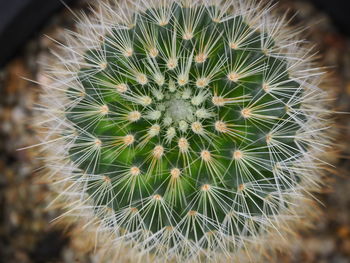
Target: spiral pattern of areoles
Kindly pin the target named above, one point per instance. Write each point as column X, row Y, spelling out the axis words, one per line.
column 188, row 128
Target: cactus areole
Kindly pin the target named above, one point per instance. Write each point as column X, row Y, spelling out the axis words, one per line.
column 189, row 129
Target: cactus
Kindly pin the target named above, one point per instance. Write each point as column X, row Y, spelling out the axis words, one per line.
column 184, row 130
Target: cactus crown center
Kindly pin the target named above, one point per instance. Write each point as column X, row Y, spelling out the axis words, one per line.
column 179, row 109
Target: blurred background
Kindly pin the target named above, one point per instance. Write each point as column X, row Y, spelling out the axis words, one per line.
column 27, row 233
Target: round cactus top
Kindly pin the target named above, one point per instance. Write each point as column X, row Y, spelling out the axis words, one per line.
column 188, row 124
column 182, row 117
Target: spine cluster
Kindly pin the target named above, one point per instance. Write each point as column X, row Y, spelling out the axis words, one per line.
column 185, row 130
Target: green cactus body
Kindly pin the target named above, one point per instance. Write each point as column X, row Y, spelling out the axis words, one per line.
column 186, row 128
